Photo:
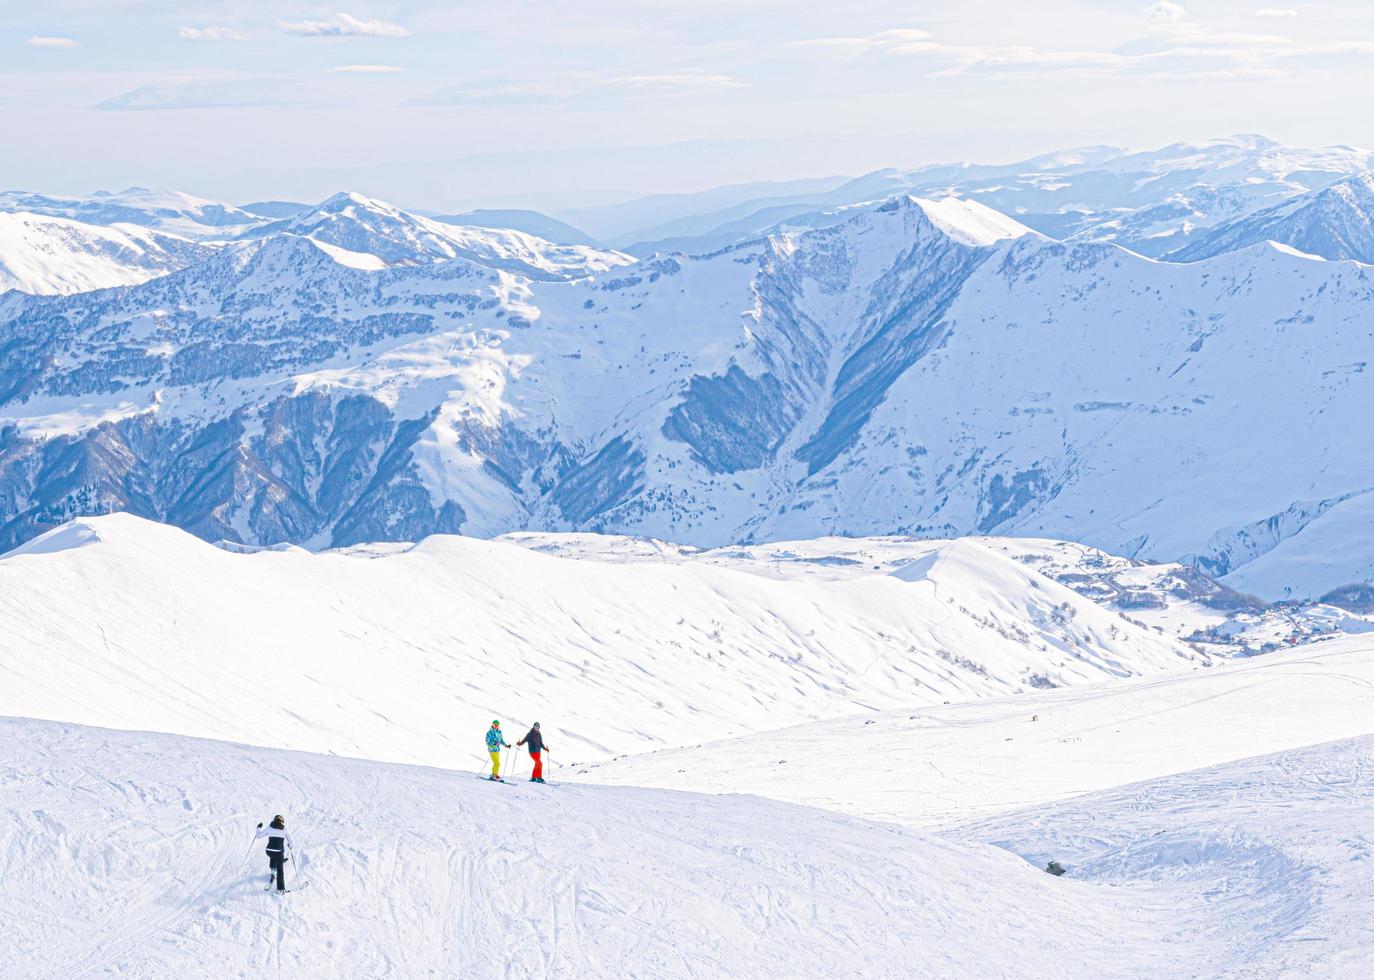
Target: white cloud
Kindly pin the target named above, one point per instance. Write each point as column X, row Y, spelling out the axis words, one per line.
column 39, row 41
column 1029, row 58
column 210, row 34
column 672, row 80
column 883, row 40
column 1173, row 49
column 215, row 92
column 364, row 69
column 1275, row 12
column 568, row 86
column 969, row 57
column 1165, row 10
column 344, row 25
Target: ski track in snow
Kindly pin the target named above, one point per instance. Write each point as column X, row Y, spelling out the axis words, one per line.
column 420, row 872
column 131, row 854
column 1279, row 850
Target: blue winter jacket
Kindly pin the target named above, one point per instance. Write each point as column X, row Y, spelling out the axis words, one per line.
column 494, row 739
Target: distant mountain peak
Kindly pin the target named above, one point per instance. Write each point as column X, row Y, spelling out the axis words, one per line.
column 1334, row 222
column 344, row 199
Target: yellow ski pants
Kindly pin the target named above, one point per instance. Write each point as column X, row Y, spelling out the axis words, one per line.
column 495, row 762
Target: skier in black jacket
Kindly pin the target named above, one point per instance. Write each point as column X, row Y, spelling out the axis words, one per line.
column 535, row 741
column 278, row 844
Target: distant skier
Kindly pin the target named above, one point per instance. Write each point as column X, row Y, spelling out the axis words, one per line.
column 535, row 741
column 494, row 745
column 278, row 844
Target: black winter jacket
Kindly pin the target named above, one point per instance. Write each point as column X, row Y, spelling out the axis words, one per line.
column 534, row 740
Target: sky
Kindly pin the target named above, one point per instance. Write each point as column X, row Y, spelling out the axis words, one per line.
column 553, row 103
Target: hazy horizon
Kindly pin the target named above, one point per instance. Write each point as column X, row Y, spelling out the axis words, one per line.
column 551, row 105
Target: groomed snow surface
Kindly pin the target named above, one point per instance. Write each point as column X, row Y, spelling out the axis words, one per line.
column 400, row 653
column 1214, row 821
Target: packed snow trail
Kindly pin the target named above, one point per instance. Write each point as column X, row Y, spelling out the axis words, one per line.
column 1281, row 847
column 406, row 653
column 933, row 767
column 129, row 854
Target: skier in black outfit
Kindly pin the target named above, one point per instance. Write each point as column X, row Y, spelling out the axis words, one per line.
column 535, row 742
column 278, row 844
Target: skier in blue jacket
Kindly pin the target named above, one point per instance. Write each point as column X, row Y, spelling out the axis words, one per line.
column 495, row 742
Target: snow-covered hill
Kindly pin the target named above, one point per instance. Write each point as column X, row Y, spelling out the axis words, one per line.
column 407, row 653
column 362, row 227
column 530, row 222
column 945, row 765
column 1171, row 598
column 131, row 854
column 170, row 211
column 1156, row 788
column 1263, row 860
column 1336, row 222
column 40, row 254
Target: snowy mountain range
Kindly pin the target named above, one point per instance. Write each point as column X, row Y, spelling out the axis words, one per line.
column 936, row 522
column 169, row 211
column 41, row 254
column 356, row 372
column 1336, row 222
column 1151, row 202
column 371, row 234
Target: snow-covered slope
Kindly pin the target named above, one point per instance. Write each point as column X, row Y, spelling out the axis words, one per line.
column 1264, row 861
column 530, row 222
column 893, row 373
column 1332, row 549
column 942, row 766
column 130, row 854
column 1170, row 598
column 406, row 654
column 966, row 221
column 171, row 211
column 40, row 254
column 364, row 226
column 1336, row 222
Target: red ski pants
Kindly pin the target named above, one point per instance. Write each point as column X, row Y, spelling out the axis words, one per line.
column 538, row 766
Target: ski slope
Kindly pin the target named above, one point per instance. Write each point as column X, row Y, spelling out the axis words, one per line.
column 129, row 854
column 1266, row 861
column 406, row 653
column 941, row 766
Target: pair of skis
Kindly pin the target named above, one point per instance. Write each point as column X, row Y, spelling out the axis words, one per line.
column 506, row 782
column 287, row 891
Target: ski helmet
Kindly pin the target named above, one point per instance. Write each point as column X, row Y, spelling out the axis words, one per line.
column 495, row 724
column 536, row 724
column 279, row 821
